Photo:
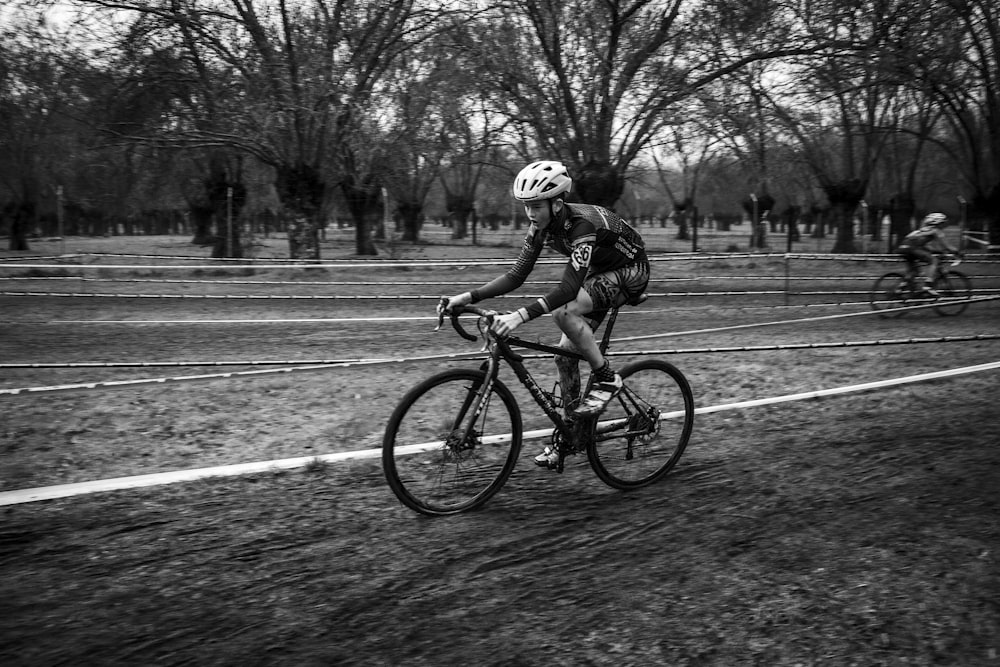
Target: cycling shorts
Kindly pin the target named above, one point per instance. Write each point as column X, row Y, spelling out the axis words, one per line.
column 615, row 288
column 913, row 255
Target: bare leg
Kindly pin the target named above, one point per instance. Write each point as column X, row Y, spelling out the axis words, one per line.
column 576, row 328
column 932, row 266
column 569, row 377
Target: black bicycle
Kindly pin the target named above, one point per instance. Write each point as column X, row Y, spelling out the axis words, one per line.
column 950, row 291
column 454, row 439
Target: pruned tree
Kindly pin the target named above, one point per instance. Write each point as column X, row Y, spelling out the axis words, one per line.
column 592, row 83
column 687, row 144
column 952, row 59
column 838, row 103
column 40, row 97
column 288, row 83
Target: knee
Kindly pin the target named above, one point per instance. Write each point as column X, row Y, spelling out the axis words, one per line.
column 568, row 317
column 562, row 316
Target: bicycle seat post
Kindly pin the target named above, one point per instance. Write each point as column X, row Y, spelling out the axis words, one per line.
column 608, row 327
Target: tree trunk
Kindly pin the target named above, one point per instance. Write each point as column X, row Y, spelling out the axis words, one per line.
column 362, row 200
column 844, row 198
column 758, row 210
column 303, row 237
column 21, row 216
column 459, row 209
column 901, row 209
column 201, row 217
column 599, row 183
column 991, row 210
column 790, row 216
column 410, row 213
column 300, row 189
column 681, row 215
column 226, row 200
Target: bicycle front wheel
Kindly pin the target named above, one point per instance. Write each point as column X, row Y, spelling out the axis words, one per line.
column 888, row 293
column 644, row 430
column 451, row 443
column 954, row 288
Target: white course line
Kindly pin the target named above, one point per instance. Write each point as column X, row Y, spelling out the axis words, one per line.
column 21, row 496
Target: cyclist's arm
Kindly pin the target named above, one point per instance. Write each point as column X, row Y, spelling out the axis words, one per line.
column 573, row 276
column 569, row 286
column 518, row 273
column 943, row 243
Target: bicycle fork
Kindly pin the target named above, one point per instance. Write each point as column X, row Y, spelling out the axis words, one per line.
column 464, row 434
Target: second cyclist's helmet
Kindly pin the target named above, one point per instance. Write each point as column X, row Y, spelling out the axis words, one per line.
column 542, row 180
column 935, row 219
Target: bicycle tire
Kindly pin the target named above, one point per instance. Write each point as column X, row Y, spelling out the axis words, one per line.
column 425, row 464
column 889, row 292
column 956, row 287
column 645, row 429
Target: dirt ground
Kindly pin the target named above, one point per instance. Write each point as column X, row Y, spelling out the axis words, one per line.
column 858, row 529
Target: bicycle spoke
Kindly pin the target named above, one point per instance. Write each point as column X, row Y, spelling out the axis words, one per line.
column 644, row 431
column 890, row 292
column 954, row 290
column 437, row 458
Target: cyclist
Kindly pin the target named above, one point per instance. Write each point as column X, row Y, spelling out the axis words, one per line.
column 923, row 245
column 607, row 267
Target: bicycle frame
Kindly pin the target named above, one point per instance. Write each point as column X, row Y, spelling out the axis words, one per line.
column 500, row 348
column 439, row 462
column 915, row 268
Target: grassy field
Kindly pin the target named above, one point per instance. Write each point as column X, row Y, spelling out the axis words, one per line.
column 851, row 530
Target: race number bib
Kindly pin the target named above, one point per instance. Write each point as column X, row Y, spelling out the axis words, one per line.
column 581, row 256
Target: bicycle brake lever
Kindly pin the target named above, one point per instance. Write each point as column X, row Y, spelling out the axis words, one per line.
column 441, row 312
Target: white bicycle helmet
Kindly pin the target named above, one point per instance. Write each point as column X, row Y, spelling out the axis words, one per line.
column 542, row 180
column 935, row 219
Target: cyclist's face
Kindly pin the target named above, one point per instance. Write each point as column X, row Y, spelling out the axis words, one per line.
column 540, row 213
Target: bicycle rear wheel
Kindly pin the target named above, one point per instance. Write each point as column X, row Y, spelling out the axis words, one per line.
column 644, row 430
column 433, row 461
column 955, row 288
column 889, row 292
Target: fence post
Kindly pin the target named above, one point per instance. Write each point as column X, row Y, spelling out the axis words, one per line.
column 788, row 272
column 961, row 223
column 229, row 221
column 694, row 228
column 59, row 218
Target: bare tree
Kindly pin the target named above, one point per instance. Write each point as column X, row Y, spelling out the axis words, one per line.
column 592, row 83
column 39, row 97
column 838, row 104
column 953, row 58
column 287, row 82
column 686, row 142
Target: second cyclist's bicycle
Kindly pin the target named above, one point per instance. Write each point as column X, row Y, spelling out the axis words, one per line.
column 454, row 439
column 951, row 290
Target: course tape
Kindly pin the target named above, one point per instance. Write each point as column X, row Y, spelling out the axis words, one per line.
column 818, row 318
column 424, row 318
column 279, row 262
column 397, row 283
column 366, row 297
column 118, row 384
column 416, row 318
column 420, row 297
column 318, row 365
column 156, row 479
column 628, row 353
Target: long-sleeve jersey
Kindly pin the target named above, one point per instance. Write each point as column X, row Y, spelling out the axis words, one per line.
column 595, row 239
column 924, row 236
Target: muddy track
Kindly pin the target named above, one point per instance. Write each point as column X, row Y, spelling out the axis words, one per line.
column 766, row 546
